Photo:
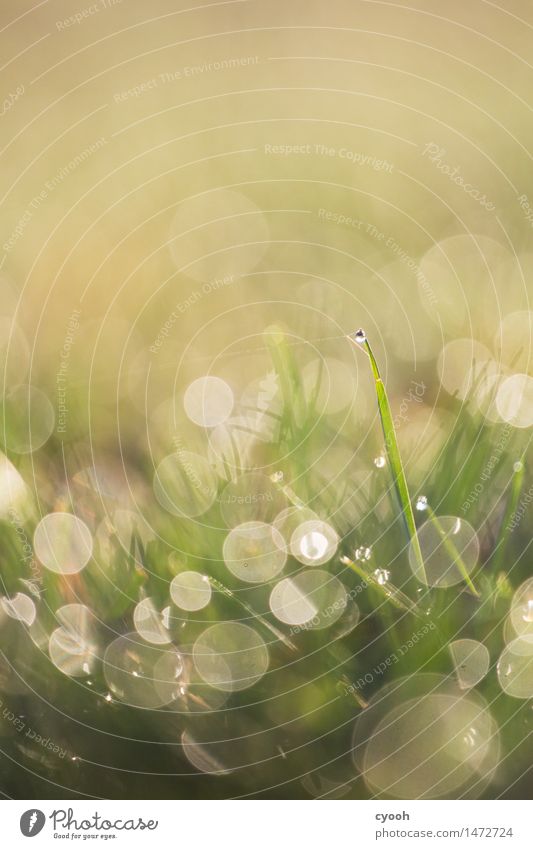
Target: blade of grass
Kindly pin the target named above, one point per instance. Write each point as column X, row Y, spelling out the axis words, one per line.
column 393, row 453
column 348, row 687
column 452, row 550
column 396, row 597
column 218, row 585
column 288, row 492
column 512, row 503
column 289, row 379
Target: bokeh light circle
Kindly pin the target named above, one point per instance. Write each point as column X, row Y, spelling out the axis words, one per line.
column 251, row 497
column 461, row 364
column 471, row 660
column 521, row 612
column 230, row 656
column 515, row 668
column 441, row 540
column 185, row 485
column 208, row 401
column 129, row 670
column 421, row 737
column 74, row 647
column 514, row 400
column 190, row 590
column 27, row 419
column 20, row 607
column 313, row 598
column 429, row 748
column 149, row 623
column 254, row 552
column 314, row 542
column 63, row 543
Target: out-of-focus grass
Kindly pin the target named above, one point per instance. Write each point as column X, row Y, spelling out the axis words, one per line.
column 299, row 716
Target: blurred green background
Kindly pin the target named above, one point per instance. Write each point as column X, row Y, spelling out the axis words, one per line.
column 227, row 190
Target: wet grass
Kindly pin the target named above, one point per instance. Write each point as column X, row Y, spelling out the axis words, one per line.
column 393, row 453
column 300, row 697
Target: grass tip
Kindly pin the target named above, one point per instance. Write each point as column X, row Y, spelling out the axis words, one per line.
column 358, row 336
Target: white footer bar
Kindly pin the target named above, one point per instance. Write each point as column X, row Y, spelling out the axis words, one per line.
column 268, row 824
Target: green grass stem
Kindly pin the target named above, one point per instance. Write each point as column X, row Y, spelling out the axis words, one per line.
column 393, row 454
column 452, row 550
column 218, row 585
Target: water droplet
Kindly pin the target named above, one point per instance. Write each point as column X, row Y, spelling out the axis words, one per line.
column 313, row 543
column 518, row 466
column 363, row 553
column 421, row 503
column 381, row 576
column 359, row 336
column 379, row 462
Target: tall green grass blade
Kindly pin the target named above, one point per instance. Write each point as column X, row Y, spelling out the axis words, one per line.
column 452, row 550
column 393, row 453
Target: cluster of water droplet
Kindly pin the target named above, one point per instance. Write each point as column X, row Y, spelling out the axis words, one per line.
column 175, row 653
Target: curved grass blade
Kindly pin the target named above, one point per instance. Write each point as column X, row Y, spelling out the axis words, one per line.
column 393, row 453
